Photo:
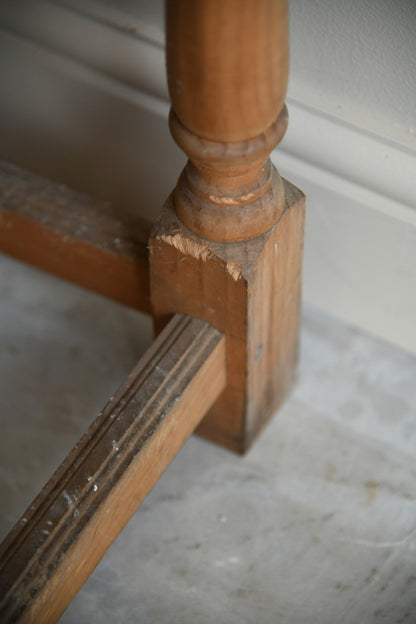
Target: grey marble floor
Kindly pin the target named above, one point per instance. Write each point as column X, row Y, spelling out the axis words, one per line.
column 316, row 525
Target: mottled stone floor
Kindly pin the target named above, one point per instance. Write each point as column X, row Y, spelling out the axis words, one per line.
column 316, row 525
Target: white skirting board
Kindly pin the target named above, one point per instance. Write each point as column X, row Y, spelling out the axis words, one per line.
column 359, row 261
column 85, row 103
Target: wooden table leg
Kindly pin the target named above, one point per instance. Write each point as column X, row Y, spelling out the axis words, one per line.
column 227, row 248
column 228, row 244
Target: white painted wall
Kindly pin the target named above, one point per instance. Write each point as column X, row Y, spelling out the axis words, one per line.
column 352, row 59
column 84, row 101
column 355, row 60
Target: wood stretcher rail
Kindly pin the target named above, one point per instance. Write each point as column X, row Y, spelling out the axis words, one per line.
column 64, row 533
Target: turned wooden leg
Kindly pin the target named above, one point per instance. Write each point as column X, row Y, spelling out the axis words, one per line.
column 228, row 244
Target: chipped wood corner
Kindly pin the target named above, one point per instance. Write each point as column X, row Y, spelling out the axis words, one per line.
column 249, row 290
column 237, row 259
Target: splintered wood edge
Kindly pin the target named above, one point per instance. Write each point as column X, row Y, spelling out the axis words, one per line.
column 62, row 536
column 74, row 237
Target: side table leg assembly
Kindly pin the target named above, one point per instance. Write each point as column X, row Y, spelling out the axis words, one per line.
column 224, row 275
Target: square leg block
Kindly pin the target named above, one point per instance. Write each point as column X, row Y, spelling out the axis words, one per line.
column 250, row 291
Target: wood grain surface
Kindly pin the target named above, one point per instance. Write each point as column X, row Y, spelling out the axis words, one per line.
column 73, row 236
column 227, row 65
column 251, row 291
column 66, row 530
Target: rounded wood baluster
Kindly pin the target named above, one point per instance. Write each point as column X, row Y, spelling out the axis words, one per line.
column 227, row 64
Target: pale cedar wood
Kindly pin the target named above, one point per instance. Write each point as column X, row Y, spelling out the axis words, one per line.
column 228, row 244
column 62, row 536
column 74, row 237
